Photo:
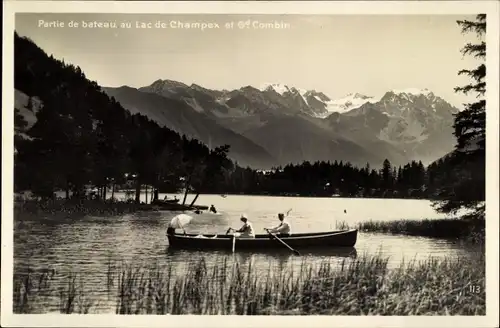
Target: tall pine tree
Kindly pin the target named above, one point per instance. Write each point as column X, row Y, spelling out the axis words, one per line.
column 466, row 188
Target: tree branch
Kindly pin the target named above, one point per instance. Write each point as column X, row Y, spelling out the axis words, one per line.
column 480, row 88
column 477, row 51
column 479, row 26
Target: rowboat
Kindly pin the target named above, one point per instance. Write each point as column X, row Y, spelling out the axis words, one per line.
column 171, row 201
column 178, row 207
column 299, row 241
column 166, row 201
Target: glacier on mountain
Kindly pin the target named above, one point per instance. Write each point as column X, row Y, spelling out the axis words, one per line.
column 413, row 91
column 347, row 103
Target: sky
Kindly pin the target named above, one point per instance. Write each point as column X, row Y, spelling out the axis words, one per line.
column 334, row 54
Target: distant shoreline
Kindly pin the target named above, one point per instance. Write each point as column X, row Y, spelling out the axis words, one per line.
column 260, row 195
column 285, row 195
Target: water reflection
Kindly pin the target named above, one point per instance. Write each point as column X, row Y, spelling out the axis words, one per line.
column 261, row 260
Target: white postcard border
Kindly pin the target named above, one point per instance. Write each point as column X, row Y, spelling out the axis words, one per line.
column 491, row 8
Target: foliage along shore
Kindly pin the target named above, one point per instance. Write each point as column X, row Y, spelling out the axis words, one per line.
column 467, row 230
column 362, row 286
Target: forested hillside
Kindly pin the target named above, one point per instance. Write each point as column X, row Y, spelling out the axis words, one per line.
column 78, row 135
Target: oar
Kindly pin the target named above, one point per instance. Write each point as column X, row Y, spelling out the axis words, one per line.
column 284, row 244
column 288, row 246
column 234, row 238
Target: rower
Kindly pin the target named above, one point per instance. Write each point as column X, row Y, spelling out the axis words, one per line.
column 246, row 231
column 283, row 229
column 212, row 209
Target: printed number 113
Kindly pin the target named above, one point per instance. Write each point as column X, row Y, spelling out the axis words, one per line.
column 475, row 289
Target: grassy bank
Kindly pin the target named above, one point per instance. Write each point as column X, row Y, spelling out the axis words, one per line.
column 358, row 287
column 83, row 207
column 469, row 230
column 96, row 207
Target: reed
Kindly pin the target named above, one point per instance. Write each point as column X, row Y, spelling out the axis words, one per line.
column 32, row 288
column 342, row 225
column 363, row 286
column 459, row 229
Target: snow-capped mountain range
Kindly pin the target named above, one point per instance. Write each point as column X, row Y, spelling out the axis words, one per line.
column 294, row 124
column 340, row 105
column 321, row 103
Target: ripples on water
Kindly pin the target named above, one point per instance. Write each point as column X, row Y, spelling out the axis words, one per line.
column 87, row 245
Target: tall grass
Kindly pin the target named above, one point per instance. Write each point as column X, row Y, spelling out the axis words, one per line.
column 458, row 229
column 32, row 288
column 363, row 286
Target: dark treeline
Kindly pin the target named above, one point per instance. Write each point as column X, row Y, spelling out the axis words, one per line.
column 412, row 180
column 82, row 137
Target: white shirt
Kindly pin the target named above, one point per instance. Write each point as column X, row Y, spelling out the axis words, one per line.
column 247, row 230
column 283, row 227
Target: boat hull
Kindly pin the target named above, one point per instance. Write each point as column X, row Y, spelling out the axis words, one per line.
column 171, row 201
column 179, row 207
column 344, row 238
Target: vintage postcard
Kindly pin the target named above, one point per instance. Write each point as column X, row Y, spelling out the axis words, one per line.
column 247, row 164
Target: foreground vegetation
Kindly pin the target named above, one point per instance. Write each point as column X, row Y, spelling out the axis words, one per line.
column 459, row 229
column 468, row 230
column 355, row 287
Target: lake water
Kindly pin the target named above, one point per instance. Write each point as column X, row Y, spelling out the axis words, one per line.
column 86, row 244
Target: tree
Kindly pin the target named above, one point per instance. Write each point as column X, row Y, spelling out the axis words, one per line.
column 211, row 175
column 470, row 124
column 387, row 174
column 465, row 186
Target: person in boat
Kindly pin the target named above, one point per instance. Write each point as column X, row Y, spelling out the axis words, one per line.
column 246, row 231
column 283, row 229
column 165, row 198
column 212, row 209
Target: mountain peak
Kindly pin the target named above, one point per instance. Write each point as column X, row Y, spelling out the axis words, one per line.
column 356, row 95
column 169, row 83
column 413, row 91
column 165, row 87
column 249, row 88
column 198, row 87
column 277, row 87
